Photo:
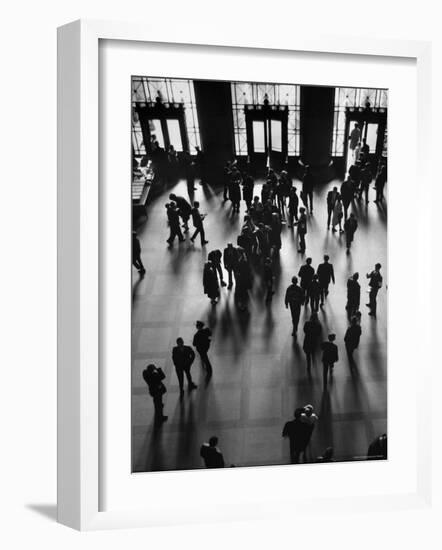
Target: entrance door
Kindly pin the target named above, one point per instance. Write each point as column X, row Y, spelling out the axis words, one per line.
column 266, row 137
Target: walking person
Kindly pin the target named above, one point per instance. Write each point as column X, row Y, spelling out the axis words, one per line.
column 299, row 434
column 201, row 342
column 174, row 223
column 268, row 279
column 136, row 254
column 247, row 190
column 351, row 339
column 366, row 178
column 183, row 357
column 215, row 256
column 230, row 259
column 375, row 284
column 331, row 199
column 329, row 358
column 197, row 219
column 210, row 282
column 212, row 456
column 294, row 297
column 302, row 229
column 312, row 332
column 314, row 293
column 338, row 214
column 346, row 195
column 154, row 376
column 325, row 274
column 350, row 227
column 293, row 206
column 184, row 209
column 305, row 274
column 307, row 189
column 353, row 295
column 355, row 138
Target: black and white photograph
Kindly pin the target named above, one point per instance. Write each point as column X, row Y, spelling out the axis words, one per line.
column 259, row 273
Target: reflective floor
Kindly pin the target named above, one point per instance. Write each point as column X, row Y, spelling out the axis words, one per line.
column 260, row 372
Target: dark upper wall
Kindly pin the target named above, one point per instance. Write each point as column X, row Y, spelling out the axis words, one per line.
column 317, row 108
column 214, row 106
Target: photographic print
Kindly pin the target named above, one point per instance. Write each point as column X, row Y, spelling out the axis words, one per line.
column 259, row 273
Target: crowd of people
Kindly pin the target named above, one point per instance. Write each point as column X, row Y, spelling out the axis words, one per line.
column 252, row 257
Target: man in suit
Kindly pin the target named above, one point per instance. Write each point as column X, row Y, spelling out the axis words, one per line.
column 325, row 274
column 136, row 254
column 306, row 273
column 350, row 227
column 307, row 189
column 174, row 223
column 197, row 219
column 351, row 339
column 184, row 209
column 375, row 284
column 201, row 342
column 154, row 376
column 294, row 297
column 329, row 357
column 230, row 259
column 215, row 256
column 331, row 199
column 212, row 456
column 293, row 206
column 183, row 357
column 346, row 195
column 353, row 295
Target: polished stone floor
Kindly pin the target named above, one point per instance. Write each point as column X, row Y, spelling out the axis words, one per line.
column 260, row 373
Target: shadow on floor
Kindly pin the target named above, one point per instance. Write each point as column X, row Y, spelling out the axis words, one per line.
column 49, row 511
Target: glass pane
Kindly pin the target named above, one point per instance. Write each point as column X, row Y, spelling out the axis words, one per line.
column 156, row 133
column 173, row 127
column 258, row 136
column 276, row 132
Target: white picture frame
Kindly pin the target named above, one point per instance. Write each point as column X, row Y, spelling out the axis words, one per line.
column 79, row 293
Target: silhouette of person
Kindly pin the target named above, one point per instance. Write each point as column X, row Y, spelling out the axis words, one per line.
column 174, row 223
column 154, row 376
column 230, row 258
column 302, row 229
column 212, row 456
column 350, row 227
column 210, row 282
column 307, row 189
column 183, row 357
column 353, row 295
column 312, row 332
column 201, row 342
column 184, row 209
column 366, row 177
column 375, row 284
column 314, row 292
column 337, row 214
column 331, row 199
column 215, row 256
column 329, row 357
column 197, row 219
column 379, row 184
column 305, row 274
column 325, row 274
column 293, row 206
column 235, row 189
column 346, row 195
column 136, row 254
column 351, row 339
column 294, row 297
column 247, row 190
column 355, row 138
column 268, row 279
column 299, row 434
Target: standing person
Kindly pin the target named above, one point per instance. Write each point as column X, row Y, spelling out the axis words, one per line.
column 247, row 190
column 210, row 282
column 312, row 331
column 201, row 342
column 325, row 274
column 294, row 297
column 366, row 177
column 329, row 357
column 350, row 227
column 306, row 273
column 375, row 284
column 346, row 195
column 302, row 229
column 379, row 184
column 197, row 220
column 307, row 189
column 268, row 279
column 212, row 456
column 215, row 256
column 227, row 171
column 353, row 295
column 184, row 209
column 183, row 357
column 331, row 199
column 337, row 215
column 136, row 254
column 354, row 138
column 230, row 258
column 299, row 434
column 189, row 171
column 202, row 166
column 244, row 282
column 314, row 292
column 235, row 189
column 293, row 206
column 174, row 223
column 351, row 339
column 154, row 376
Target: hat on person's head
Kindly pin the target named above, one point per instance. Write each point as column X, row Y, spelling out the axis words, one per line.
column 199, row 324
